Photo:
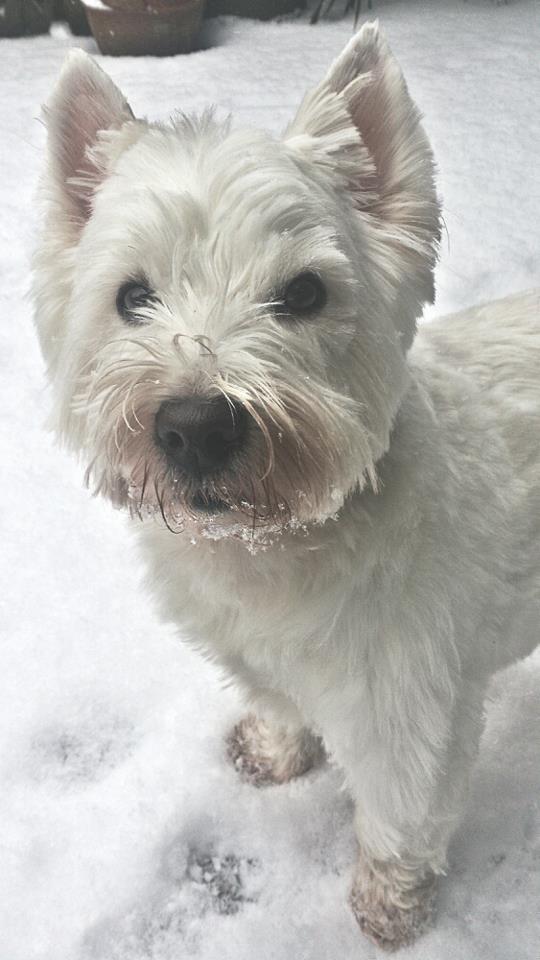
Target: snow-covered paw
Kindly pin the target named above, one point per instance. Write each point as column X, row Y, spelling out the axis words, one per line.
column 266, row 752
column 392, row 915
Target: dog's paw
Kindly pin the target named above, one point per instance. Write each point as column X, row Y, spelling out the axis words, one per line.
column 390, row 916
column 265, row 752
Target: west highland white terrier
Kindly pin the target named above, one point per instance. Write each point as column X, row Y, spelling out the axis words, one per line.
column 347, row 522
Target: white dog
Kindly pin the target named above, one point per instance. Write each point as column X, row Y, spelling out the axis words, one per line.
column 347, row 523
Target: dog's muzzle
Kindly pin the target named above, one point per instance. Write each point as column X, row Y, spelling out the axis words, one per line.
column 199, row 436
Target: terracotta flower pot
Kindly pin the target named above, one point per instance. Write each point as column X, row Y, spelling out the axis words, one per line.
column 133, row 28
column 258, row 9
column 145, row 6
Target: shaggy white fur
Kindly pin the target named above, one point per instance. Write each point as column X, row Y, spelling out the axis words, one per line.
column 369, row 555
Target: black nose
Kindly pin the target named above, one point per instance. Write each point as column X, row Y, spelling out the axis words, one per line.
column 200, row 435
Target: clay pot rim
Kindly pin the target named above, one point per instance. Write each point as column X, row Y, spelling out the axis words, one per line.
column 141, row 6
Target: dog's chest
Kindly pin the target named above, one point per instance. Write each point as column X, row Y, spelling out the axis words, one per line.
column 268, row 605
column 290, row 622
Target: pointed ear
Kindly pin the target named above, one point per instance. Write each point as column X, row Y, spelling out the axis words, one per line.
column 361, row 122
column 84, row 106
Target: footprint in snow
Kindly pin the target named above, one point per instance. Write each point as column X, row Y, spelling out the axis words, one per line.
column 81, row 751
column 222, row 882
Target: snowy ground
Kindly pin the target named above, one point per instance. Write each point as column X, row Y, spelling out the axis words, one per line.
column 124, row 834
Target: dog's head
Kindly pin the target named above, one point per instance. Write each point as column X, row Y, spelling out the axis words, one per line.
column 225, row 315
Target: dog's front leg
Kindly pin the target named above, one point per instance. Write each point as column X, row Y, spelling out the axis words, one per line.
column 271, row 744
column 409, row 792
column 392, row 900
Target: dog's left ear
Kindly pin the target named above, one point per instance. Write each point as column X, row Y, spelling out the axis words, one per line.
column 362, row 126
column 85, row 107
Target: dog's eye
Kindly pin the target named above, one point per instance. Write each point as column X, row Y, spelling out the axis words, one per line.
column 305, row 294
column 133, row 297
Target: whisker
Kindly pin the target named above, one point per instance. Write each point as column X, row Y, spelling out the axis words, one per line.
column 143, row 487
column 159, row 498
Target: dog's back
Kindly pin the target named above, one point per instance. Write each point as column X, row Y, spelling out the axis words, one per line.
column 498, row 343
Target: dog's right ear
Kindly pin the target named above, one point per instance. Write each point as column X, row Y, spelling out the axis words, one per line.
column 83, row 111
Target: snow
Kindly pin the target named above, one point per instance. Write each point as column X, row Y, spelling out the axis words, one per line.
column 124, row 832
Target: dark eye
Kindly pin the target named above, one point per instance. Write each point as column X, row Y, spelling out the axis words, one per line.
column 305, row 294
column 131, row 299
